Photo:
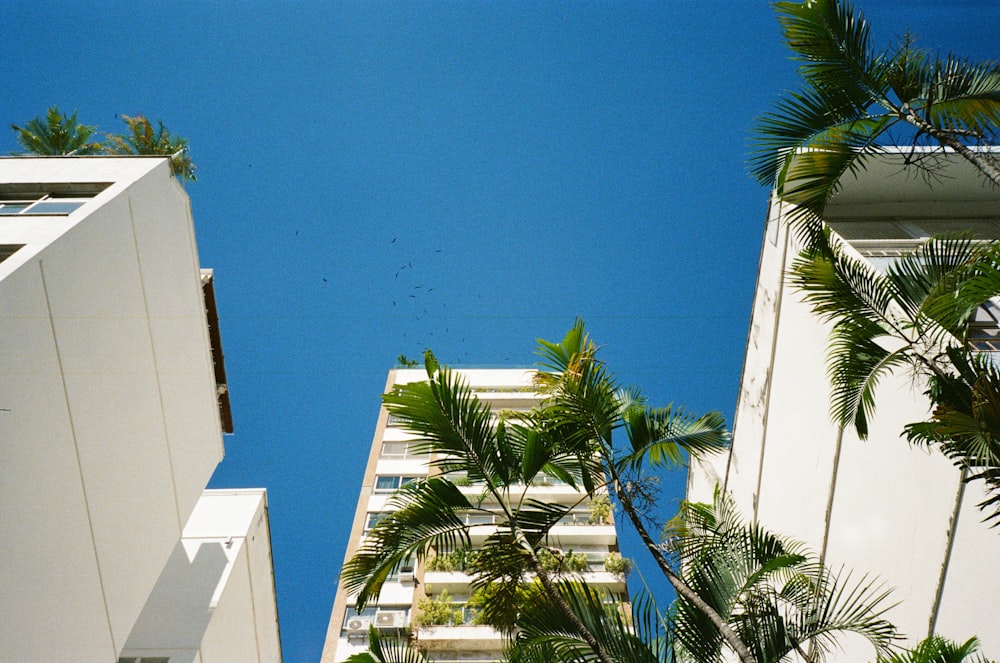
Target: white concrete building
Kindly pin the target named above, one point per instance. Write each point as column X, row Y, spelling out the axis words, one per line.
column 879, row 506
column 391, row 463
column 112, row 407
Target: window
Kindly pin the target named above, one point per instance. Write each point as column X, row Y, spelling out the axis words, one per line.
column 399, row 450
column 373, row 519
column 46, row 199
column 7, row 250
column 389, row 484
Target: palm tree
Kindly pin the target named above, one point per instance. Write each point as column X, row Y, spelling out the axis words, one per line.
column 936, row 649
column 855, row 98
column 142, row 138
column 919, row 315
column 57, row 135
column 745, row 612
column 772, row 591
column 431, row 515
column 585, row 403
column 572, row 436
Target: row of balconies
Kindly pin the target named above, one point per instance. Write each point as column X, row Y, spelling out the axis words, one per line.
column 458, row 581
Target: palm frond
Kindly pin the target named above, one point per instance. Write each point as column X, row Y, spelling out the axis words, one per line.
column 141, row 137
column 926, row 278
column 546, row 633
column 428, row 514
column 829, row 605
column 832, row 41
column 388, row 648
column 57, row 134
column 965, row 422
column 936, row 649
column 771, row 590
column 963, row 97
column 838, row 286
column 972, row 280
column 856, row 364
column 662, row 436
column 454, row 425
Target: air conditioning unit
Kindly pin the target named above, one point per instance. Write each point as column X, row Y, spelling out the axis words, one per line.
column 390, row 619
column 359, row 624
column 406, row 576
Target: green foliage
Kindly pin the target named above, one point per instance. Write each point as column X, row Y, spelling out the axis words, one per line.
column 567, row 439
column 772, row 591
column 438, row 611
column 600, row 510
column 547, row 636
column 743, row 588
column 406, row 362
column 57, row 135
column 560, row 562
column 462, row 559
column 388, row 648
column 918, row 316
column 615, row 563
column 141, row 137
column 854, row 98
column 936, row 649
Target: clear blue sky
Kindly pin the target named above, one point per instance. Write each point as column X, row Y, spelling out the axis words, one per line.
column 380, row 177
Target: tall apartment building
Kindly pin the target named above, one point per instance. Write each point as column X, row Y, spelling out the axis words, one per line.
column 113, row 403
column 392, row 463
column 877, row 506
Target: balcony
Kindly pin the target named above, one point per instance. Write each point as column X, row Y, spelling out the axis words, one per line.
column 457, row 582
column 459, row 638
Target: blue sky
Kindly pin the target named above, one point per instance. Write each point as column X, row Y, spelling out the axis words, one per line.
column 380, row 177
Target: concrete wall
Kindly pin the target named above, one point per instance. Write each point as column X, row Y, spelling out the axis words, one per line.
column 109, row 429
column 878, row 506
column 214, row 601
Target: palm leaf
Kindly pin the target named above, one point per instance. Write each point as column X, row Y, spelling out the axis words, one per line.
column 454, row 425
column 832, row 42
column 662, row 436
column 856, row 364
column 427, row 514
column 771, row 590
column 546, row 635
column 936, row 649
column 57, row 135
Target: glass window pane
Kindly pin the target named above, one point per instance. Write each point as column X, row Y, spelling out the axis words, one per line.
column 386, row 483
column 373, row 518
column 394, row 448
column 49, row 207
column 12, row 208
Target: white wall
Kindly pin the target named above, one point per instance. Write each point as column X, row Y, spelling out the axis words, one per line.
column 879, row 506
column 112, row 430
column 214, row 601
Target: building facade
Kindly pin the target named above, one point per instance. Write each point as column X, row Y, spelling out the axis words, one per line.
column 878, row 506
column 391, row 463
column 113, row 403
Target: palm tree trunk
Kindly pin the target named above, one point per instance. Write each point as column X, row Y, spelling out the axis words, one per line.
column 685, row 592
column 550, row 589
column 560, row 602
column 947, row 139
